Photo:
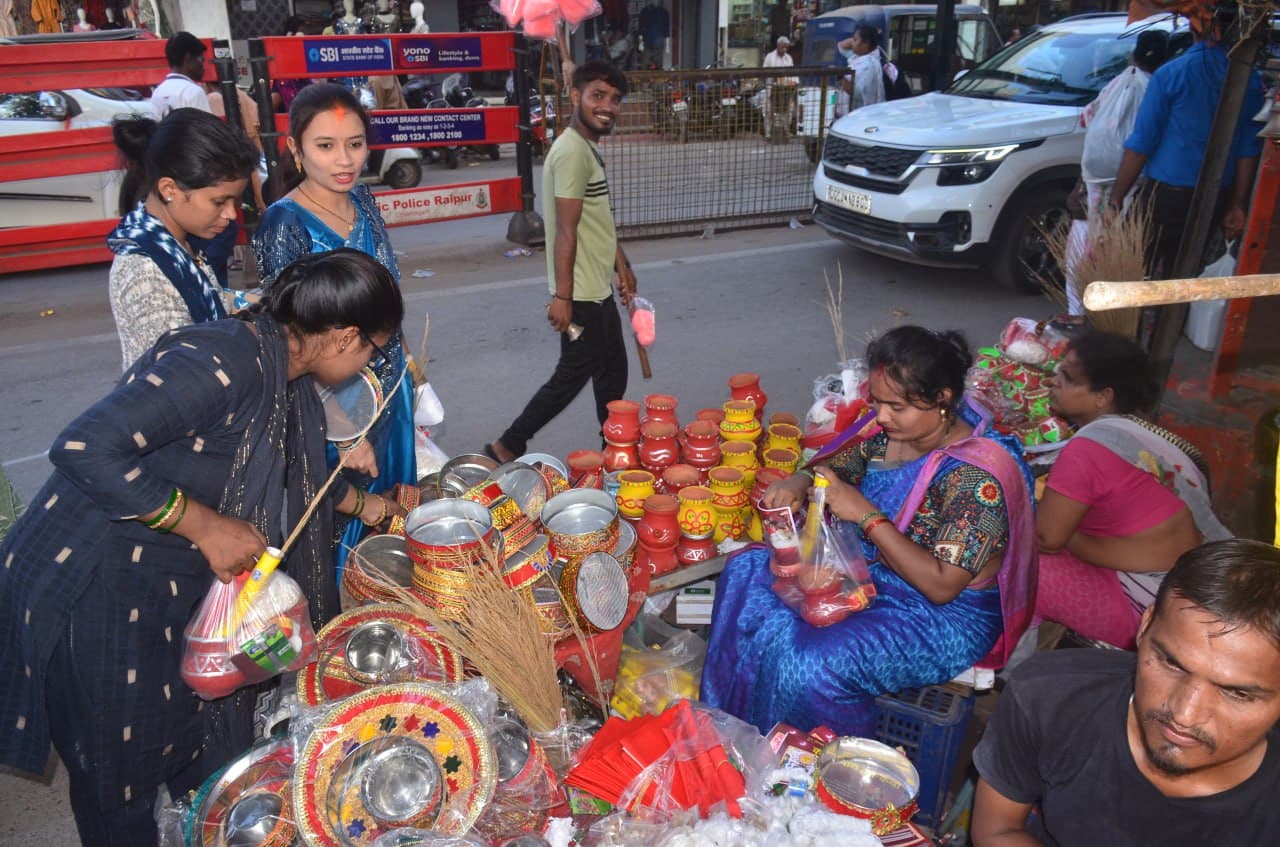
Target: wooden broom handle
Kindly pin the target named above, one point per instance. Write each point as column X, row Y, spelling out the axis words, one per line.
column 1101, row 296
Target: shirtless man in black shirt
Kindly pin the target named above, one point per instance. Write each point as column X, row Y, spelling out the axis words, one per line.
column 1093, row 748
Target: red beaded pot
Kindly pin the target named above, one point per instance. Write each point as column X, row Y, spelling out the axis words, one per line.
column 658, row 447
column 621, row 457
column 701, row 446
column 661, row 407
column 622, row 426
column 746, row 386
column 657, row 534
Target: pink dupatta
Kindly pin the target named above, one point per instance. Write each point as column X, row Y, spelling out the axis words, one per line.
column 1018, row 572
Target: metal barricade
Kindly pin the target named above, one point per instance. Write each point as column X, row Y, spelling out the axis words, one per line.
column 690, row 148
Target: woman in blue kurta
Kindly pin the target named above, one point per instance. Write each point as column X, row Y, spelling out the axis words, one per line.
column 939, row 507
column 209, row 447
column 329, row 208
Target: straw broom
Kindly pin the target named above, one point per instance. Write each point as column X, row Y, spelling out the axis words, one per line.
column 835, row 311
column 499, row 633
column 1116, row 252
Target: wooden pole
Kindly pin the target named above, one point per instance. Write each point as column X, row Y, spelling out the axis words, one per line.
column 1102, row 296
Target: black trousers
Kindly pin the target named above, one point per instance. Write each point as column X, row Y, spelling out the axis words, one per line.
column 599, row 355
column 1170, row 208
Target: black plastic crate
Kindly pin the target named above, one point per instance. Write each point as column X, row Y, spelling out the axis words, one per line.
column 929, row 724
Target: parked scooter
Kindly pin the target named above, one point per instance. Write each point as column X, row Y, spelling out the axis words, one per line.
column 394, row 167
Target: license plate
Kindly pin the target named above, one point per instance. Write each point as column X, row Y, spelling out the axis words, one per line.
column 728, row 101
column 852, row 200
column 679, row 106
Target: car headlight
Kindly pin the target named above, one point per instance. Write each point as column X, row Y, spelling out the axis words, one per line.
column 967, row 165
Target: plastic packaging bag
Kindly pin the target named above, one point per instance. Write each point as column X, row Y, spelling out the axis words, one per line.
column 246, row 631
column 527, row 787
column 410, row 837
column 816, row 575
column 839, row 400
column 1112, row 121
column 659, row 664
column 1205, row 317
column 643, row 321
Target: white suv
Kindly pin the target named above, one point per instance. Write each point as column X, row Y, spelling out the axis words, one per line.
column 969, row 177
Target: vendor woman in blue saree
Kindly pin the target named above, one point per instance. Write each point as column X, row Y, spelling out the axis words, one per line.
column 208, row 450
column 329, row 208
column 941, row 509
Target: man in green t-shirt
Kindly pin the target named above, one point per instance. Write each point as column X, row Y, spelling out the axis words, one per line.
column 582, row 255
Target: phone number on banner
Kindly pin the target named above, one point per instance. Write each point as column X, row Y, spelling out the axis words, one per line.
column 428, row 127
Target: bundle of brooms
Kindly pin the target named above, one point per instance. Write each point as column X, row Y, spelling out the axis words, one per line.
column 500, row 634
column 1116, row 252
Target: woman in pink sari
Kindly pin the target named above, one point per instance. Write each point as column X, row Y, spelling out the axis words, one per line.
column 1125, row 498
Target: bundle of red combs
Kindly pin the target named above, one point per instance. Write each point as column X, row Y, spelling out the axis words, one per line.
column 675, row 760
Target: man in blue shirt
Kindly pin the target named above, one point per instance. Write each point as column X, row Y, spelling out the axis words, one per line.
column 1169, row 141
column 655, row 28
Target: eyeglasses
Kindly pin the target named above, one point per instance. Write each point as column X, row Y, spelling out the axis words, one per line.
column 380, row 358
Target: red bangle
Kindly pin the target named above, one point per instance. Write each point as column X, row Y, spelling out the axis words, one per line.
column 866, row 531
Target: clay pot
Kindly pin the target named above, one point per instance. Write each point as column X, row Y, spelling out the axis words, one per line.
column 696, row 516
column 586, row 468
column 657, row 534
column 783, row 459
column 621, row 457
column 784, row 418
column 635, row 486
column 740, row 422
column 741, row 455
column 691, row 551
column 764, row 478
column 713, row 415
column 783, row 436
column 702, row 446
column 658, row 447
column 678, row 477
column 622, row 426
column 730, row 502
column 746, row 386
column 661, row 407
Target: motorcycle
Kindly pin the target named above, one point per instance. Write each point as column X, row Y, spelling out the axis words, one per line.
column 419, row 93
column 460, row 96
column 669, row 110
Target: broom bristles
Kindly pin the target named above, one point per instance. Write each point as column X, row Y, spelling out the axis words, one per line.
column 500, row 635
column 1116, row 253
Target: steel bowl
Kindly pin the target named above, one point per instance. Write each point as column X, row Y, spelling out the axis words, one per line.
column 524, row 485
column 373, row 650
column 581, row 521
column 512, row 748
column 385, row 556
column 468, row 469
column 402, row 784
column 254, row 820
column 448, row 523
column 597, row 591
column 535, row 459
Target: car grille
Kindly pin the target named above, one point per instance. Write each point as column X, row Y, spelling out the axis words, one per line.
column 880, row 185
column 863, row 226
column 881, row 161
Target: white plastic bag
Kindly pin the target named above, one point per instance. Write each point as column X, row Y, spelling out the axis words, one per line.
column 1206, row 317
column 1112, row 121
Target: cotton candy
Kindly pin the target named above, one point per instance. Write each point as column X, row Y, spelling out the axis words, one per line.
column 642, row 325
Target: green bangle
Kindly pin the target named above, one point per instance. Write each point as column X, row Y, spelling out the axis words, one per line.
column 869, row 517
column 163, row 514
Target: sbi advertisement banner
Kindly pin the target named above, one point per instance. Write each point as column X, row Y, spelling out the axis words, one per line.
column 419, row 54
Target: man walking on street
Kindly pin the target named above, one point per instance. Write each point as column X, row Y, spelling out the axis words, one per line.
column 582, row 253
column 1170, row 139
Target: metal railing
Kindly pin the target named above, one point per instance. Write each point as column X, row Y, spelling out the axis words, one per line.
column 694, row 149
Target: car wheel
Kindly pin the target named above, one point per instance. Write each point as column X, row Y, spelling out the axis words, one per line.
column 404, row 174
column 1025, row 261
